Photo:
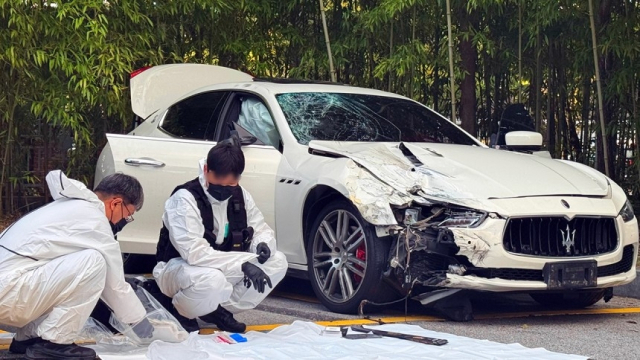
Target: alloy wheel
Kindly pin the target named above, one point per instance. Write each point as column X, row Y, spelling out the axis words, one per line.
column 339, row 256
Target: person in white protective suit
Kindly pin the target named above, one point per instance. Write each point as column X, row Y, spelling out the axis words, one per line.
column 216, row 254
column 57, row 261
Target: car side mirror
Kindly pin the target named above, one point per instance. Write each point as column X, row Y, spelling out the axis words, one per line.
column 523, row 140
column 248, row 140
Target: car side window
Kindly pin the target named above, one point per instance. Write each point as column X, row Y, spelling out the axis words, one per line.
column 255, row 119
column 195, row 117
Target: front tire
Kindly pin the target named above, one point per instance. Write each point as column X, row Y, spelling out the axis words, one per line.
column 569, row 300
column 346, row 259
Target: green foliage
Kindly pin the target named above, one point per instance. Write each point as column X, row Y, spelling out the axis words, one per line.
column 65, row 65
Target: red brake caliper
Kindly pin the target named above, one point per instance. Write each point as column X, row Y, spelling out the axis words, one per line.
column 361, row 254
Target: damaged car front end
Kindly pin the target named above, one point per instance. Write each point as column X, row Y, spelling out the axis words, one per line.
column 563, row 249
column 424, row 250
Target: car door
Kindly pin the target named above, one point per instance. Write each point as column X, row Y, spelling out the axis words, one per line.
column 164, row 160
column 249, row 115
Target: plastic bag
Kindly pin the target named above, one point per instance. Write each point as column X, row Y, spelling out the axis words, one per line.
column 166, row 327
column 106, row 342
column 95, row 331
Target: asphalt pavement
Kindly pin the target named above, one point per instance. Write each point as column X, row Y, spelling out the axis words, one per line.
column 604, row 331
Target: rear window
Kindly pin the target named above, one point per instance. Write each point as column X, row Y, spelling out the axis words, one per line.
column 367, row 118
column 195, row 117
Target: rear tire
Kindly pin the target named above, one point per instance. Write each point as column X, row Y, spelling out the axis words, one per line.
column 346, row 259
column 569, row 300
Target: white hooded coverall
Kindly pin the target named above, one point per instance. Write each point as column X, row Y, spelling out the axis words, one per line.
column 203, row 278
column 56, row 262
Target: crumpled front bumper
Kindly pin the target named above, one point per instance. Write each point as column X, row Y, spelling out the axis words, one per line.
column 483, row 247
column 473, row 282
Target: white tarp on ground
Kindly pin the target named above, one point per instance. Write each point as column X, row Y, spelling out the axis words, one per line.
column 302, row 340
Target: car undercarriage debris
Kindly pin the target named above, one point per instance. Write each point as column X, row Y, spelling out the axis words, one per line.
column 454, row 304
column 422, row 253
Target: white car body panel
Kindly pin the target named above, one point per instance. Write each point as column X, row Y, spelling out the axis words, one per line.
column 178, row 157
column 373, row 176
column 155, row 88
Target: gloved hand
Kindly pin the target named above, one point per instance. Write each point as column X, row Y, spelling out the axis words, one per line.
column 143, row 329
column 133, row 282
column 255, row 275
column 264, row 253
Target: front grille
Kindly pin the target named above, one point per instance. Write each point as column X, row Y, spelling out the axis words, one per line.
column 559, row 237
column 620, row 267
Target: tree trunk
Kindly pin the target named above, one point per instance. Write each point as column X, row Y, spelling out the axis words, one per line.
column 372, row 78
column 637, row 128
column 332, row 70
column 436, row 72
column 487, row 94
column 586, row 122
column 520, row 51
column 7, row 149
column 551, row 124
column 413, row 39
column 600, row 66
column 391, row 56
column 469, row 54
column 496, row 99
column 562, row 111
column 538, row 86
column 452, row 74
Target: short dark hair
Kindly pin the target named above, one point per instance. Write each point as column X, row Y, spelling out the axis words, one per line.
column 226, row 158
column 125, row 186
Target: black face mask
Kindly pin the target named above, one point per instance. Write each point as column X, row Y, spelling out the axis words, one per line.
column 219, row 192
column 117, row 227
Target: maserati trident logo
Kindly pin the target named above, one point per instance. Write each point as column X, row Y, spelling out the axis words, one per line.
column 568, row 238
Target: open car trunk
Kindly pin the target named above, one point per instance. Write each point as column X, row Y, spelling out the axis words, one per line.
column 156, row 86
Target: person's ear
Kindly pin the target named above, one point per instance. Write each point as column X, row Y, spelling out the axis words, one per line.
column 115, row 202
column 206, row 168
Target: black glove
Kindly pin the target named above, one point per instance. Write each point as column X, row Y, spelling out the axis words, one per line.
column 134, row 282
column 255, row 275
column 264, row 253
column 143, row 329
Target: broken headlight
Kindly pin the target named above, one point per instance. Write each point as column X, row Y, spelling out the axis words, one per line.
column 411, row 216
column 463, row 219
column 627, row 212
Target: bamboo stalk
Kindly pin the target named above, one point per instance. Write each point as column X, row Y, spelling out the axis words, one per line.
column 332, row 70
column 391, row 55
column 520, row 51
column 605, row 145
column 451, row 72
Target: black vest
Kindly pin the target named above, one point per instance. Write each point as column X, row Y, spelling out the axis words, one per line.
column 239, row 234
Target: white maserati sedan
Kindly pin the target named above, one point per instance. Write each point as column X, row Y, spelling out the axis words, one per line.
column 373, row 195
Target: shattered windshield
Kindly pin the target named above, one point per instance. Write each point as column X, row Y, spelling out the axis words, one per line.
column 359, row 117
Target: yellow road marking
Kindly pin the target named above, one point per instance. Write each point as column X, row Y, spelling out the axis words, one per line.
column 426, row 318
column 4, row 344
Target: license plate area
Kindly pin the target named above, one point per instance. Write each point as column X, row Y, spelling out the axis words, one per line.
column 571, row 274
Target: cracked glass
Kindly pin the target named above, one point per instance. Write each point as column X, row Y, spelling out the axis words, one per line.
column 367, row 118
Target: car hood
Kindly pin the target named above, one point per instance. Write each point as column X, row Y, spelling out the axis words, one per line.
column 460, row 173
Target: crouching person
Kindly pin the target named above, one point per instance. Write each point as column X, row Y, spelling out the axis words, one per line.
column 216, row 255
column 56, row 262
